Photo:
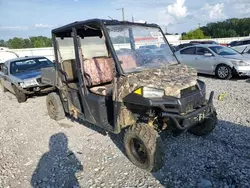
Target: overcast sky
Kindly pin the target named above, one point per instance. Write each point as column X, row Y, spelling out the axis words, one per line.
column 24, row 18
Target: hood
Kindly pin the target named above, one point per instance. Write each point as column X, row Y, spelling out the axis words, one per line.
column 170, row 78
column 236, row 57
column 28, row 75
column 246, row 55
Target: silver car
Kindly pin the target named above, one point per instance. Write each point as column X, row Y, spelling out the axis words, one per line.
column 246, row 53
column 22, row 76
column 216, row 60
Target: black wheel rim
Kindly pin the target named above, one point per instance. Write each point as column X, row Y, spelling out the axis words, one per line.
column 139, row 150
column 52, row 108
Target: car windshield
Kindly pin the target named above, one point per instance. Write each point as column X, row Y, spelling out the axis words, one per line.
column 29, row 65
column 222, row 50
column 142, row 46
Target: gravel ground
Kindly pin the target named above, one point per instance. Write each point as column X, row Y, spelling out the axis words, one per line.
column 32, row 145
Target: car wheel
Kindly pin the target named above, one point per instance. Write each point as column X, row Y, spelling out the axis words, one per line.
column 2, row 88
column 21, row 97
column 144, row 147
column 223, row 72
column 205, row 127
column 55, row 107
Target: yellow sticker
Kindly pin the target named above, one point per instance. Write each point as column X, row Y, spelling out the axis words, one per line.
column 138, row 91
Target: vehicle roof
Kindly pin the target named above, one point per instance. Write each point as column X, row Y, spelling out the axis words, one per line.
column 25, row 58
column 97, row 20
column 244, row 39
column 202, row 41
column 199, row 45
column 204, row 45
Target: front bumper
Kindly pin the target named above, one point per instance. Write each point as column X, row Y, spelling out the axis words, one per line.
column 186, row 121
column 242, row 70
column 37, row 89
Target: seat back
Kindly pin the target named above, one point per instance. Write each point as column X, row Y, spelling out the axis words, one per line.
column 69, row 66
column 98, row 71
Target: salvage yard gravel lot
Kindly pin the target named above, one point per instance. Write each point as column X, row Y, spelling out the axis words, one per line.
column 37, row 151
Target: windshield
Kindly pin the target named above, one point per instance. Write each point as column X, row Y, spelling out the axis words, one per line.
column 29, row 65
column 139, row 47
column 222, row 50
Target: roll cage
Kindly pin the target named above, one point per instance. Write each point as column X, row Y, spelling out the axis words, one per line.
column 98, row 28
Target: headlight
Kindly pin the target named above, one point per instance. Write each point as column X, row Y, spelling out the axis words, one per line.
column 240, row 63
column 28, row 83
column 149, row 92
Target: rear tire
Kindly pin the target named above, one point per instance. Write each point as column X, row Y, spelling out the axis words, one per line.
column 205, row 127
column 144, row 147
column 21, row 97
column 223, row 72
column 2, row 88
column 55, row 107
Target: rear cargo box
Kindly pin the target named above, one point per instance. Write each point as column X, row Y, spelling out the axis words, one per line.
column 48, row 76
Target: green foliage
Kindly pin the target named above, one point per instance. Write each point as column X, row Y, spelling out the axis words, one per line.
column 32, row 42
column 229, row 28
column 194, row 34
column 3, row 43
column 16, row 43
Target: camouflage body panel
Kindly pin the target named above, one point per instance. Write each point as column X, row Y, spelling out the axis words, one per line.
column 126, row 117
column 171, row 78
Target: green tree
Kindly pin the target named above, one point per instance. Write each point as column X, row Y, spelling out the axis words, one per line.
column 40, row 41
column 32, row 42
column 233, row 27
column 194, row 34
column 27, row 43
column 16, row 43
column 3, row 43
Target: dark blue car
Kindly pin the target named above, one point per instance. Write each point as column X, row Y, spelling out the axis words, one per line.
column 22, row 76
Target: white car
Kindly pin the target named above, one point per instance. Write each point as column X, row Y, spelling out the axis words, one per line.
column 240, row 45
column 217, row 60
column 246, row 53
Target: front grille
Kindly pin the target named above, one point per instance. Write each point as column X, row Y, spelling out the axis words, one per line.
column 189, row 90
column 192, row 102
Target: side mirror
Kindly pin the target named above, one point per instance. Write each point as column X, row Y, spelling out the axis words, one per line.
column 208, row 54
column 5, row 70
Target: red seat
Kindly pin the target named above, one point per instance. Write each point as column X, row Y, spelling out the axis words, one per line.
column 99, row 73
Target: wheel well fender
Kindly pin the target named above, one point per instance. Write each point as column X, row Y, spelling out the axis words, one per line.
column 215, row 67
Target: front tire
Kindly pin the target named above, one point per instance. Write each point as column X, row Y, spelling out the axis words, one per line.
column 205, row 127
column 144, row 147
column 21, row 97
column 223, row 72
column 55, row 107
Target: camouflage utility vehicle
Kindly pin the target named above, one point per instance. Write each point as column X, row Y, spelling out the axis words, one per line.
column 103, row 77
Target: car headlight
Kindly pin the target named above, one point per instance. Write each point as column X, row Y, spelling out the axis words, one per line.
column 240, row 63
column 28, row 83
column 149, row 92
